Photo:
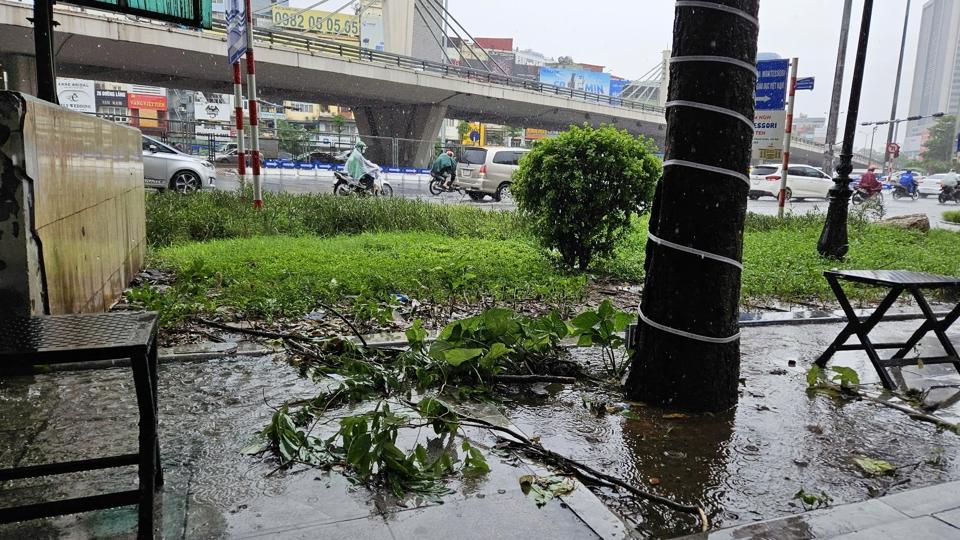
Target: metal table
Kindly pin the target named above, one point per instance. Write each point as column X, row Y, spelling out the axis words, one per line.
column 27, row 342
column 897, row 281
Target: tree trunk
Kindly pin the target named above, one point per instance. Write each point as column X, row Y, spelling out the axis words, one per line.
column 702, row 210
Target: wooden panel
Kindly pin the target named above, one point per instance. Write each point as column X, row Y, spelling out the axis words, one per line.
column 88, row 183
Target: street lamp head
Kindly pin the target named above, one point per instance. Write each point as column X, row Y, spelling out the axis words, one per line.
column 938, row 115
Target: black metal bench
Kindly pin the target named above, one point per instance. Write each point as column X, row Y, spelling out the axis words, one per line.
column 897, row 281
column 27, row 342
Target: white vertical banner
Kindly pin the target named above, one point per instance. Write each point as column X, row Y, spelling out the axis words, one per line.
column 236, row 30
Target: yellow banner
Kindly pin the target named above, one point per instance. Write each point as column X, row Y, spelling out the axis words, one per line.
column 320, row 22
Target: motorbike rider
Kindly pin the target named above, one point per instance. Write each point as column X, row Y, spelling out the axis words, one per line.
column 444, row 165
column 950, row 181
column 362, row 169
column 908, row 181
column 869, row 182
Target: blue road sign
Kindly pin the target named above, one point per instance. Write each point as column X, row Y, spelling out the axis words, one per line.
column 958, row 143
column 771, row 93
column 805, row 83
column 475, row 136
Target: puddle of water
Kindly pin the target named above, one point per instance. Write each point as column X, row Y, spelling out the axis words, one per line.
column 746, row 464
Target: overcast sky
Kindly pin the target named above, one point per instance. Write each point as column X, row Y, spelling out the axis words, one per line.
column 629, row 35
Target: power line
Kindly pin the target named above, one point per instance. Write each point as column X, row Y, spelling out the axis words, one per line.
column 472, row 39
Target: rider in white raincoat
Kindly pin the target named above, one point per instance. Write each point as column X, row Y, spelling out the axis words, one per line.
column 362, row 169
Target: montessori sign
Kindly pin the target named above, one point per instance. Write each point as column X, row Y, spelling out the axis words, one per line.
column 770, row 115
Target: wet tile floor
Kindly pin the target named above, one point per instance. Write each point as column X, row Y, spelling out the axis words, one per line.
column 742, row 466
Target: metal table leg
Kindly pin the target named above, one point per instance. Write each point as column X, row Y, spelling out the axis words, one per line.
column 939, row 327
column 148, row 444
column 861, row 329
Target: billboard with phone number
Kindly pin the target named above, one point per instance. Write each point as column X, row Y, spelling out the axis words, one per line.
column 320, row 22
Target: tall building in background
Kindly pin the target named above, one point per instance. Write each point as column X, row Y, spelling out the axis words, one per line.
column 936, row 78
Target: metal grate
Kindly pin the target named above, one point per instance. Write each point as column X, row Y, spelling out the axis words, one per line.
column 74, row 332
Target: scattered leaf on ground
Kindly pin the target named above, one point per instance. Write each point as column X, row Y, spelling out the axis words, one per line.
column 874, row 467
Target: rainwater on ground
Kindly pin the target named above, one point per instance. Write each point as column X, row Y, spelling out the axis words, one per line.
column 741, row 466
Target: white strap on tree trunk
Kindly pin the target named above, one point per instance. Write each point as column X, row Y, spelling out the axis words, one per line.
column 684, row 333
column 719, row 7
column 721, row 59
column 711, row 108
column 708, row 168
column 694, row 251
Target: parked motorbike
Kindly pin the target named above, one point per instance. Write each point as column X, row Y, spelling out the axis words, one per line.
column 347, row 185
column 948, row 194
column 900, row 192
column 861, row 194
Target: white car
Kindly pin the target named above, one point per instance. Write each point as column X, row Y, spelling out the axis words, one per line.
column 803, row 182
column 165, row 167
column 930, row 185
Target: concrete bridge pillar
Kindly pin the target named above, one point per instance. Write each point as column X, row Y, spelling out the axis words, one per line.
column 400, row 135
column 21, row 73
column 398, row 21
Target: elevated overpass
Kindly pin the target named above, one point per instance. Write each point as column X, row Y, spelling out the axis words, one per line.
column 391, row 95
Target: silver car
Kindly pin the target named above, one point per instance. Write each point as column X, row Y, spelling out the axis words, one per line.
column 165, row 167
column 488, row 171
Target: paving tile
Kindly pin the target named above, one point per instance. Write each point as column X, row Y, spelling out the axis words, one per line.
column 507, row 516
column 308, row 499
column 923, row 528
column 950, row 516
column 817, row 524
column 369, row 528
column 926, row 501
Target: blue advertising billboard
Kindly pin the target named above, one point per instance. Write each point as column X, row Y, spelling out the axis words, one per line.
column 586, row 81
column 617, row 86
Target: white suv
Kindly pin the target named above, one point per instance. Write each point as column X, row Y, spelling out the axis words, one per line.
column 488, row 170
column 803, row 181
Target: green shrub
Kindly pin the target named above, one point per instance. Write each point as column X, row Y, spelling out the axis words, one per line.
column 953, row 216
column 581, row 189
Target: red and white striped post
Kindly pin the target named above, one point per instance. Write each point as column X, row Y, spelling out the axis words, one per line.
column 238, row 111
column 788, row 135
column 254, row 108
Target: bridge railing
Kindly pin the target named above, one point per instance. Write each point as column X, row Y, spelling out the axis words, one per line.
column 353, row 52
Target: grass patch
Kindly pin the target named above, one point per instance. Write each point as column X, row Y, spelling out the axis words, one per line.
column 277, row 276
column 953, row 216
column 305, row 248
column 216, row 215
column 781, row 262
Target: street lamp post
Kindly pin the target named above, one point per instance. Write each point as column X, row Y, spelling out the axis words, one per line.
column 833, row 242
column 895, row 129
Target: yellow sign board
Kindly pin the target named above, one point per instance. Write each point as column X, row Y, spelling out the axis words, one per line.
column 477, row 136
column 320, row 22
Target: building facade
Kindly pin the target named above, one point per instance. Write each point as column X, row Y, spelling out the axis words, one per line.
column 936, row 79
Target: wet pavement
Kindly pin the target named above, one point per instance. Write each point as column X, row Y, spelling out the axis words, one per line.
column 743, row 466
column 208, row 413
column 927, row 513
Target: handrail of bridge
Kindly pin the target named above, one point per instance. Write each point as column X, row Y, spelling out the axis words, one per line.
column 354, row 52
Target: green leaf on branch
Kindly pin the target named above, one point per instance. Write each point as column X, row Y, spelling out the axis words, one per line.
column 456, row 357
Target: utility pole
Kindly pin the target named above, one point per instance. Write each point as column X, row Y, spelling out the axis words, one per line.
column 887, row 158
column 837, row 87
column 687, row 352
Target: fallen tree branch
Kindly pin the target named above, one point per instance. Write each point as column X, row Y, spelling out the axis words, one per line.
column 530, row 379
column 344, row 319
column 576, row 467
column 250, row 331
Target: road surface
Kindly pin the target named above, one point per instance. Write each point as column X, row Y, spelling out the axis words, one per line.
column 415, row 186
